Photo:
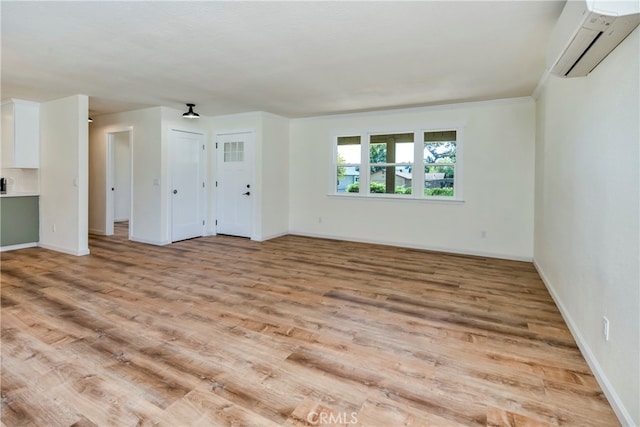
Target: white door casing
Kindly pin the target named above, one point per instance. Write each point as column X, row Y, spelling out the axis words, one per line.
column 235, row 189
column 187, row 184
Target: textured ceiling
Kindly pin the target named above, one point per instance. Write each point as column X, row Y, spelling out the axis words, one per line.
column 291, row 58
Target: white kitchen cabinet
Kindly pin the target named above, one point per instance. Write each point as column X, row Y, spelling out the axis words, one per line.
column 20, row 134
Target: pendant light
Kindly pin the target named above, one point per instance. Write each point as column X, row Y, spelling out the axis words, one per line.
column 191, row 114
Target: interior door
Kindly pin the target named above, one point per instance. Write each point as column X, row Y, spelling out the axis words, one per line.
column 235, row 191
column 186, row 164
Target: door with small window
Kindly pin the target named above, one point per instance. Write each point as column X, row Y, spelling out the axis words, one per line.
column 235, row 193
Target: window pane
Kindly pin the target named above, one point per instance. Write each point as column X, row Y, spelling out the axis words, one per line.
column 348, row 150
column 348, row 178
column 439, row 180
column 378, row 153
column 234, row 151
column 439, row 158
column 240, row 151
column 390, row 180
column 440, row 147
column 348, row 161
column 391, row 148
column 440, row 152
column 229, row 150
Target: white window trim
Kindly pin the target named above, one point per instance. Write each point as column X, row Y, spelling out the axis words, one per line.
column 334, row 160
column 397, row 198
column 417, row 182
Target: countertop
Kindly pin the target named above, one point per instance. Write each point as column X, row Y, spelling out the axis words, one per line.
column 19, row 195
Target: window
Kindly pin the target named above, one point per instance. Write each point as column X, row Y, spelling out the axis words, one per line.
column 415, row 165
column 348, row 164
column 234, row 151
column 390, row 163
column 439, row 163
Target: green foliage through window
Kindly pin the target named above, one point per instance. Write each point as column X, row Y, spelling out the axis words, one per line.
column 374, row 187
column 438, row 191
column 341, row 169
column 377, row 188
column 377, row 154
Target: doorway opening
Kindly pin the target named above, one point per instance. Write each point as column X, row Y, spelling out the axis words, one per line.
column 119, row 184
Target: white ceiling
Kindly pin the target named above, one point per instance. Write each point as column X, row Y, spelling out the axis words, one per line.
column 290, row 58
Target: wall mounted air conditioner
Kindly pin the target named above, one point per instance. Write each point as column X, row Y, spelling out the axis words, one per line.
column 587, row 31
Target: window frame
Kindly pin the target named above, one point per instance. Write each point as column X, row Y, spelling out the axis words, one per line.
column 418, row 185
column 336, row 165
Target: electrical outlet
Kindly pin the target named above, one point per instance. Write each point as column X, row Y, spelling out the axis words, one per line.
column 605, row 328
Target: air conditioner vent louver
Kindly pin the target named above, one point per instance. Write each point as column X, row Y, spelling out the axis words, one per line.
column 582, row 56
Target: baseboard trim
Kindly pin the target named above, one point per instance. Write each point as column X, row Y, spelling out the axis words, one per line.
column 18, row 246
column 412, row 246
column 271, row 236
column 150, row 242
column 614, row 400
column 81, row 252
column 97, row 232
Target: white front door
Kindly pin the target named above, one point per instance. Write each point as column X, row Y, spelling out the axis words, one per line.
column 235, row 184
column 186, row 167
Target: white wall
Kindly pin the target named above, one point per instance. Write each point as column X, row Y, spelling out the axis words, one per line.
column 146, row 151
column 122, row 177
column 497, row 173
column 587, row 215
column 64, row 175
column 274, row 176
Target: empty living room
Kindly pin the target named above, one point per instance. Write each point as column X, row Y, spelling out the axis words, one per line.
column 320, row 213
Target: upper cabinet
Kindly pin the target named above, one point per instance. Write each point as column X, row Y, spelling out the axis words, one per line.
column 20, row 134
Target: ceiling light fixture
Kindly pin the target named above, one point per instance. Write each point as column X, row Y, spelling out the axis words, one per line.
column 191, row 114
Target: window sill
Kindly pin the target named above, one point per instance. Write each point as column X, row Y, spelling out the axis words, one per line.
column 355, row 196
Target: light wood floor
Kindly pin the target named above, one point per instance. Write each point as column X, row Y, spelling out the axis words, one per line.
column 293, row 331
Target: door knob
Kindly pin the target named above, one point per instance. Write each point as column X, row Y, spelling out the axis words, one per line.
column 248, row 193
column 175, row 191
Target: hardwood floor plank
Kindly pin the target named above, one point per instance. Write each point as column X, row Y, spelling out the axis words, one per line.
column 294, row 331
column 378, row 410
column 201, row 408
column 497, row 417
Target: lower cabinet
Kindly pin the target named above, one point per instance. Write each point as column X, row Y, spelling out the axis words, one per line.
column 19, row 221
